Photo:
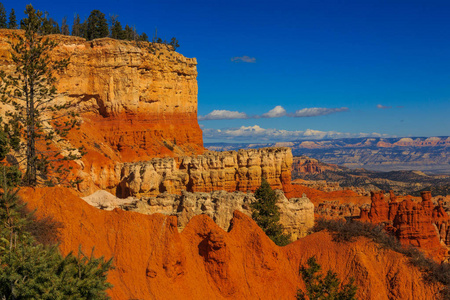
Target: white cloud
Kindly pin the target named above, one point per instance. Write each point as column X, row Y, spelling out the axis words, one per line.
column 317, row 111
column 276, row 112
column 245, row 58
column 256, row 133
column 380, row 106
column 223, row 115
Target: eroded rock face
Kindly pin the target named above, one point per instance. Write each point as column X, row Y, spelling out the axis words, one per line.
column 231, row 171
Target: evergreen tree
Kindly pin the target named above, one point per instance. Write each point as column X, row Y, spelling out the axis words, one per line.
column 174, row 43
column 116, row 29
column 143, row 37
column 3, row 21
column 49, row 25
column 267, row 215
column 128, row 33
column 12, row 20
column 97, row 26
column 65, row 27
column 319, row 287
column 76, row 30
column 31, row 92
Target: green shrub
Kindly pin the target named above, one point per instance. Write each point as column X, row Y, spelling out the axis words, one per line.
column 320, row 287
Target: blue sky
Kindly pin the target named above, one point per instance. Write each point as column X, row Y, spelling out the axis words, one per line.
column 332, row 68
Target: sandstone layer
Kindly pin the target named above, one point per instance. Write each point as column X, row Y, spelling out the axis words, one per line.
column 154, row 261
column 230, row 171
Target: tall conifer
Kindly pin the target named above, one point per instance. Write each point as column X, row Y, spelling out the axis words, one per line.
column 12, row 20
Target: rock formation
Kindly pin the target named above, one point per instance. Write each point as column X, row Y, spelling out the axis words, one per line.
column 154, row 261
column 419, row 224
column 229, row 171
column 296, row 214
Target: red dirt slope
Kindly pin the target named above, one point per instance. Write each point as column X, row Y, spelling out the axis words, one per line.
column 154, row 261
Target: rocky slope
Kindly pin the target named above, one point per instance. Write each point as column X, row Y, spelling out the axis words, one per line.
column 154, row 261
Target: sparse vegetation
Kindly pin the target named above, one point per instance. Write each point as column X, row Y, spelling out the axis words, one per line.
column 267, row 215
column 343, row 231
column 320, row 287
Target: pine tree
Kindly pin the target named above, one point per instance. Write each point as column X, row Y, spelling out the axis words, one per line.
column 267, row 215
column 143, row 37
column 65, row 27
column 49, row 25
column 128, row 33
column 31, row 92
column 76, row 31
column 319, row 287
column 12, row 20
column 116, row 29
column 97, row 26
column 3, row 21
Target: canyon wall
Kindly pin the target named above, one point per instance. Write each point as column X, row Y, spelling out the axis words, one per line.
column 230, row 171
column 135, row 101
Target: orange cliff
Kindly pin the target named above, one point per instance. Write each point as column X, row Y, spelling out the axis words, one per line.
column 154, row 261
column 135, row 103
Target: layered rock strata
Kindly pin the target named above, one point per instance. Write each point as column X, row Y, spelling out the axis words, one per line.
column 230, row 171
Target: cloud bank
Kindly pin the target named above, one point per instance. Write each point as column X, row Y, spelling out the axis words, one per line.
column 276, row 112
column 256, row 133
column 245, row 58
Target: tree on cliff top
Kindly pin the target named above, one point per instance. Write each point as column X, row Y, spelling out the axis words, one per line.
column 97, row 26
column 31, row 92
column 267, row 215
column 3, row 20
column 12, row 20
